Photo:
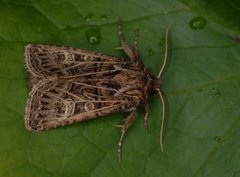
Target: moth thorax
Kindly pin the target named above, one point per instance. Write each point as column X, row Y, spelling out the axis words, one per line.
column 89, row 106
column 88, row 58
column 69, row 108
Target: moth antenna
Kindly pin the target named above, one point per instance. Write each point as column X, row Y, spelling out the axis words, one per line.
column 163, row 118
column 165, row 54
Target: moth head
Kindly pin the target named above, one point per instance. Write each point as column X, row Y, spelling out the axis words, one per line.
column 156, row 83
column 153, row 85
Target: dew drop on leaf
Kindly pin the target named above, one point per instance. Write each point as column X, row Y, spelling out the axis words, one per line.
column 216, row 93
column 104, row 17
column 198, row 23
column 165, row 12
column 151, row 52
column 88, row 18
column 218, row 139
column 93, row 36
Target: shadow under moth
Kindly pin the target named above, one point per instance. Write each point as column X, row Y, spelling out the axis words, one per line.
column 71, row 85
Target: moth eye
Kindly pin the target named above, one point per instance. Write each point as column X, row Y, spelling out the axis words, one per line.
column 88, row 58
column 89, row 106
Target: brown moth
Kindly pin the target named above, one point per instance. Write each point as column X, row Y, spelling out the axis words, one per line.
column 71, row 85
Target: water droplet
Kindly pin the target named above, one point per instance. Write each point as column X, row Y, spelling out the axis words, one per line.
column 198, row 23
column 104, row 17
column 166, row 12
column 151, row 52
column 218, row 138
column 93, row 36
column 216, row 93
column 88, row 18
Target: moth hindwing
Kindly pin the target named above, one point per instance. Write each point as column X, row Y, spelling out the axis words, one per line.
column 71, row 85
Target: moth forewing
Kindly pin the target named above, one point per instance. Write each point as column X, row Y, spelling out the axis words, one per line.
column 71, row 85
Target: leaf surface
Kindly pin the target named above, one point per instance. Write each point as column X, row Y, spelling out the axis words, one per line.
column 202, row 84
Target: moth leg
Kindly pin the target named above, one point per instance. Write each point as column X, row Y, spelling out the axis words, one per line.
column 127, row 123
column 146, row 107
column 124, row 45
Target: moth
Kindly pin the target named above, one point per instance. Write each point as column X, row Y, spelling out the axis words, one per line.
column 71, row 85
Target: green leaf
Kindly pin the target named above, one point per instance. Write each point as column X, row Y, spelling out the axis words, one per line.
column 202, row 84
